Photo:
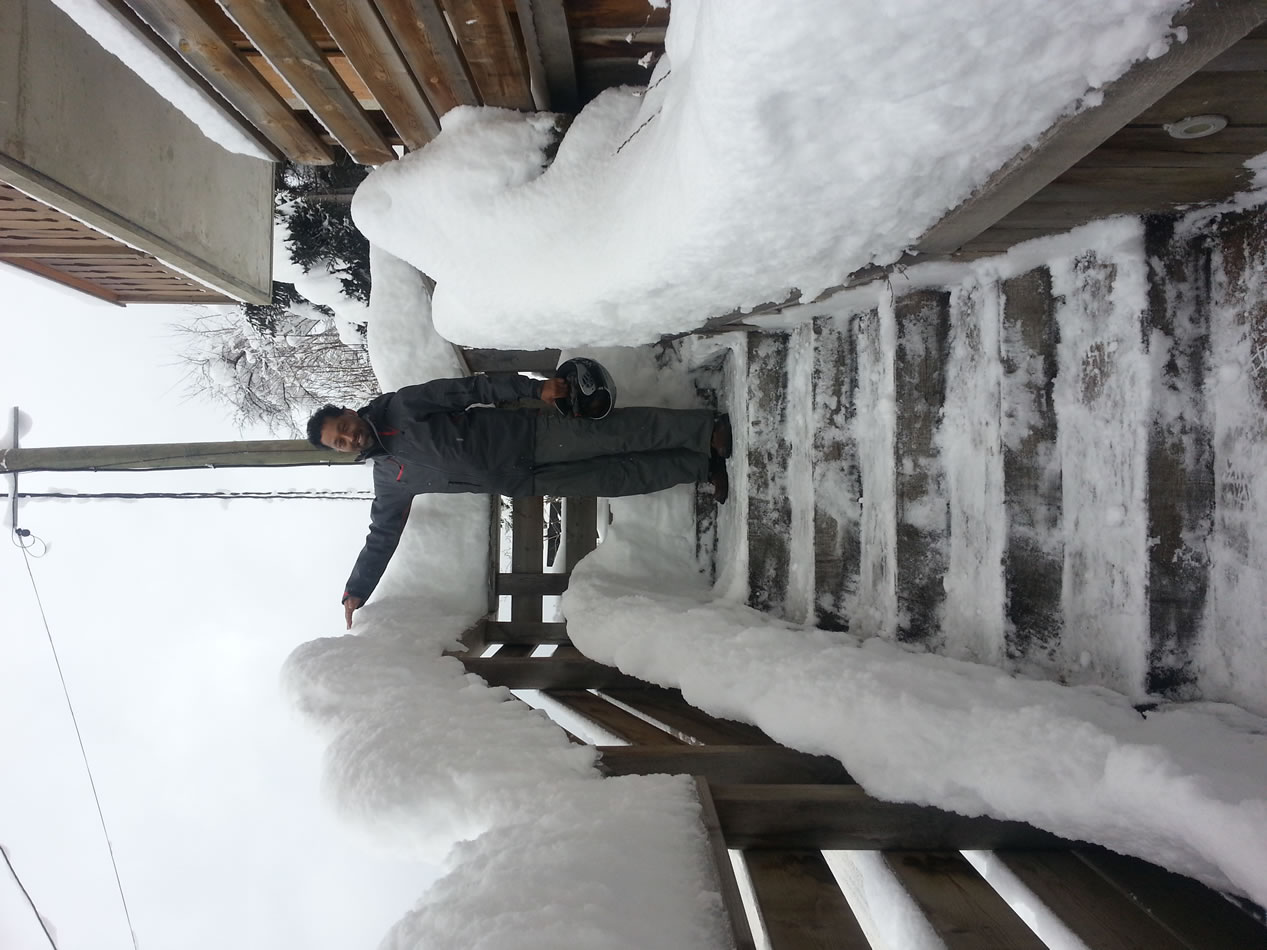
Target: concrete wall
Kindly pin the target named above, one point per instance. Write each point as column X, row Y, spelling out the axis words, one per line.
column 81, row 132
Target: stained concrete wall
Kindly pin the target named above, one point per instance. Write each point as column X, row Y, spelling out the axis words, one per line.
column 80, row 131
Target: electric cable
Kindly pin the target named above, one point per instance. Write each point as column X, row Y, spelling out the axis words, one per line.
column 83, row 752
column 29, row 899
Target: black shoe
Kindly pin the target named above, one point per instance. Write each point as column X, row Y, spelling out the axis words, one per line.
column 720, row 481
column 720, row 444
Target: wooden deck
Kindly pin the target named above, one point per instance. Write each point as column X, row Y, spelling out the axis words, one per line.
column 373, row 74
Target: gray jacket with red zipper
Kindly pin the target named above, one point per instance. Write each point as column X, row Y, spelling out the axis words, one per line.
column 435, row 438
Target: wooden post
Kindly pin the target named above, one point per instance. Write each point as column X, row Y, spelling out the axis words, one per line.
column 800, row 903
column 725, row 764
column 166, row 456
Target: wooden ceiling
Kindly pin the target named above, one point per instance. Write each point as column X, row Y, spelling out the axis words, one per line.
column 372, row 74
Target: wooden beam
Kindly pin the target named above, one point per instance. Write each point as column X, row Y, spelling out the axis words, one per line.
column 365, row 41
column 731, row 897
column 1202, row 918
column 528, row 583
column 725, row 764
column 546, row 672
column 668, row 706
column 1212, row 26
column 964, row 911
column 306, row 69
column 492, row 51
column 581, row 529
column 1101, row 916
column 845, row 817
column 613, row 719
column 428, row 46
column 800, row 903
column 549, row 49
column 187, row 32
column 533, row 632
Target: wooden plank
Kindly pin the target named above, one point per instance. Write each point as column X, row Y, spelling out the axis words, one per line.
column 1212, row 26
column 546, row 672
column 631, row 16
column 338, row 62
column 1101, row 916
column 1033, row 564
column 1249, row 54
column 725, row 764
column 492, row 52
column 428, row 46
column 581, row 529
column 769, row 525
column 539, row 584
column 527, row 549
column 962, row 908
column 1241, row 97
column 14, row 250
column 800, row 903
column 837, row 476
column 732, row 900
column 365, row 41
column 66, row 280
column 1181, row 459
column 1200, row 917
column 668, row 707
column 612, row 718
column 309, row 73
column 923, row 508
column 187, row 32
column 549, row 47
column 845, row 817
column 526, row 631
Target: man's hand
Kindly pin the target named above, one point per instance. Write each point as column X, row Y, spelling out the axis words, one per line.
column 553, row 389
column 349, row 605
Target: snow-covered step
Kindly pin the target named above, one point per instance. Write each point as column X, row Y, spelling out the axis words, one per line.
column 922, row 324
column 769, row 505
column 837, row 479
column 1056, row 471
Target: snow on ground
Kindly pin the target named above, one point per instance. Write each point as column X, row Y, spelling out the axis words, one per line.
column 725, row 185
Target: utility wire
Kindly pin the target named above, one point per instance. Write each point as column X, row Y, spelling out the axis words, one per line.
column 82, row 751
column 29, row 899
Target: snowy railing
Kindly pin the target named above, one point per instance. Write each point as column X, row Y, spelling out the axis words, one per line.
column 805, row 857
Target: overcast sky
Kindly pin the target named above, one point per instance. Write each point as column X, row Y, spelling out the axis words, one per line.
column 172, row 619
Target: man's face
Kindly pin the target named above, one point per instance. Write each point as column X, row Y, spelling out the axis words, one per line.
column 347, row 432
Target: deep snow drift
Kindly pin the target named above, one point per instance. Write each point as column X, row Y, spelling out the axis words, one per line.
column 778, row 147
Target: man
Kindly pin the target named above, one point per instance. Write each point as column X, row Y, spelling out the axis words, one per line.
column 444, row 436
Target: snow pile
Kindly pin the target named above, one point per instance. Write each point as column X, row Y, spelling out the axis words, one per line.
column 117, row 37
column 778, row 147
column 422, row 756
column 1184, row 787
column 620, row 863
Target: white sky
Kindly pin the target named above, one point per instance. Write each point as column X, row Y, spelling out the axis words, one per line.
column 172, row 619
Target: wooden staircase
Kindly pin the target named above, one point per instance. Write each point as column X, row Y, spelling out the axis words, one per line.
column 1054, row 470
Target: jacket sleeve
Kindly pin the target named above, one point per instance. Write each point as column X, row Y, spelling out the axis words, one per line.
column 388, row 515
column 455, row 395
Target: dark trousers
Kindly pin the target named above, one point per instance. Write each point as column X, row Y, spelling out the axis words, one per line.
column 631, row 452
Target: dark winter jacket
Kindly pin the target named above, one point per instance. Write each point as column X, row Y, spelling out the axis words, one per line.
column 429, row 439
